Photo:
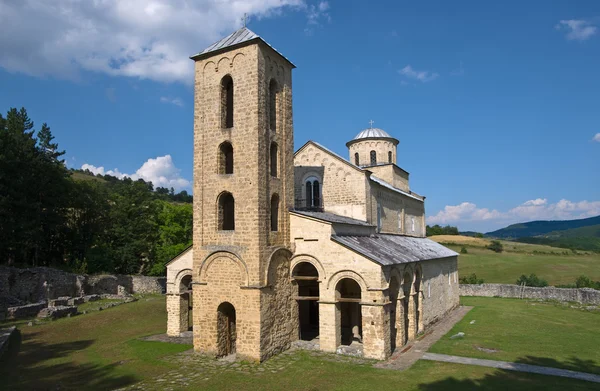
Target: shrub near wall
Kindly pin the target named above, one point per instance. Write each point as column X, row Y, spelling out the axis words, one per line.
column 580, row 295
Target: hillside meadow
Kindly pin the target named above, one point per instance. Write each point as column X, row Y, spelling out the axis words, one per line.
column 102, row 350
column 556, row 265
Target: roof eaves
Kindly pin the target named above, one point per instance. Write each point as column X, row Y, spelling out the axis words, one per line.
column 389, row 186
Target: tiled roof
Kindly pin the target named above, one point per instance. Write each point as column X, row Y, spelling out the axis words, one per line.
column 332, row 218
column 236, row 38
column 394, row 249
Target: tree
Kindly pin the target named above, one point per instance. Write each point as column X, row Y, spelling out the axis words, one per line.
column 495, row 246
column 532, row 280
column 470, row 279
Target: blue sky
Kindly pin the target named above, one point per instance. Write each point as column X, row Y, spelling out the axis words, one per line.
column 495, row 104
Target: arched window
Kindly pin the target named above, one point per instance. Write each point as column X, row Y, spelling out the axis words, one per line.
column 275, row 212
column 225, row 158
column 273, row 159
column 273, row 93
column 226, row 212
column 373, row 157
column 227, row 102
column 389, row 156
column 313, row 193
column 356, row 159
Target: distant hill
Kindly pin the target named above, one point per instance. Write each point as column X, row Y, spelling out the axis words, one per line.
column 543, row 228
column 583, row 238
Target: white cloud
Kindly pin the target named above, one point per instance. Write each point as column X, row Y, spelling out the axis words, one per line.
column 538, row 209
column 422, row 76
column 577, row 30
column 315, row 14
column 173, row 101
column 160, row 171
column 596, row 137
column 146, row 39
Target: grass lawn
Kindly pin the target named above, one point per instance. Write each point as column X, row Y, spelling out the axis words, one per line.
column 507, row 267
column 101, row 351
column 549, row 334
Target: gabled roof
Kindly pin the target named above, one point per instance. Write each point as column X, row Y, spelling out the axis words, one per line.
column 237, row 38
column 329, row 151
column 331, row 218
column 190, row 248
column 391, row 187
column 386, row 249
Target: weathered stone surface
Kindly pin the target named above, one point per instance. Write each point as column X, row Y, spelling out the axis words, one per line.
column 76, row 301
column 109, row 284
column 26, row 311
column 5, row 336
column 581, row 295
column 57, row 312
column 87, row 298
column 58, row 302
column 28, row 284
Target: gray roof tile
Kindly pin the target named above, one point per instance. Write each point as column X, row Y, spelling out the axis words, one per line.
column 332, row 218
column 394, row 249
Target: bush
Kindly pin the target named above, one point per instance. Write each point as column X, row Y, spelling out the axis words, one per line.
column 470, row 279
column 585, row 282
column 479, row 235
column 495, row 246
column 532, row 280
column 463, row 250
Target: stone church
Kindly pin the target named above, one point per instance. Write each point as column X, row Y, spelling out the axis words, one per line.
column 303, row 245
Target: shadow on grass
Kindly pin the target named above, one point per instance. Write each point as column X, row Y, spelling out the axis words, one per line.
column 516, row 381
column 23, row 367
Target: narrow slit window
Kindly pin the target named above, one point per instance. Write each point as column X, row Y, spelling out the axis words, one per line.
column 225, row 158
column 273, row 160
column 356, row 159
column 227, row 102
column 373, row 157
column 226, row 212
column 275, row 212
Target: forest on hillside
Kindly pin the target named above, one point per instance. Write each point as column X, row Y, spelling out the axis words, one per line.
column 75, row 221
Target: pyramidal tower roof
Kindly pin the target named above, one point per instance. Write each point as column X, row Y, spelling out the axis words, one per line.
column 237, row 38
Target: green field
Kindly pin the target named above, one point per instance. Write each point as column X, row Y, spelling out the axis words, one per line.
column 506, row 267
column 558, row 266
column 531, row 332
column 101, row 350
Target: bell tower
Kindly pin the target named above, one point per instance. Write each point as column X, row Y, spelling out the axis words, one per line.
column 243, row 189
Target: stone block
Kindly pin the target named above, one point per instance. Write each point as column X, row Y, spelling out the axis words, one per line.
column 75, row 301
column 58, row 302
column 57, row 312
column 25, row 311
column 91, row 298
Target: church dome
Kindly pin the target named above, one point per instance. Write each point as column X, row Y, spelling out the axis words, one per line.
column 372, row 133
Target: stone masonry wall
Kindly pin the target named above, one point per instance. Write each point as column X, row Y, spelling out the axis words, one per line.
column 27, row 285
column 364, row 148
column 343, row 186
column 581, row 295
column 440, row 288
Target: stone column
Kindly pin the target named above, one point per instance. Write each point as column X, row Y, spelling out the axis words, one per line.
column 412, row 327
column 376, row 332
column 173, row 315
column 400, row 327
column 420, row 326
column 329, row 326
column 184, row 312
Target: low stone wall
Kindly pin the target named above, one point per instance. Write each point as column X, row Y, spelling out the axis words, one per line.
column 26, row 311
column 20, row 286
column 28, row 286
column 109, row 284
column 580, row 295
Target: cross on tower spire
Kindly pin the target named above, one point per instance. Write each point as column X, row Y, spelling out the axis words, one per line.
column 245, row 19
column 371, row 122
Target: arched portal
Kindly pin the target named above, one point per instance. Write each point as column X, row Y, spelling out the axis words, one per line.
column 186, row 305
column 226, row 329
column 395, row 320
column 306, row 277
column 348, row 298
column 408, row 322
